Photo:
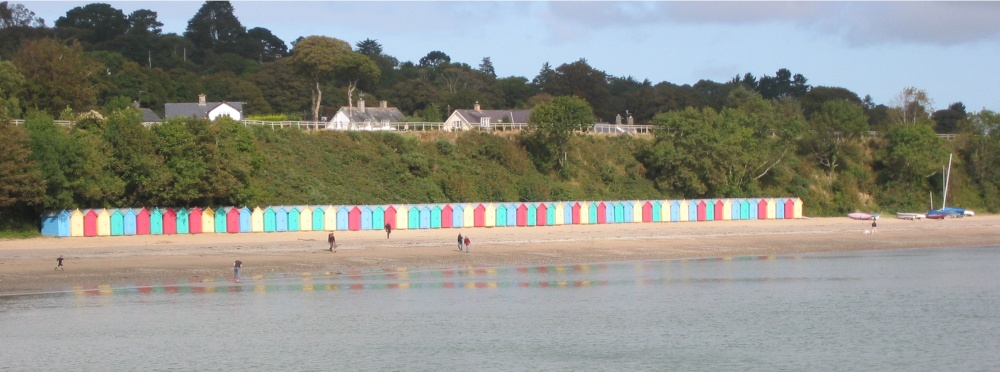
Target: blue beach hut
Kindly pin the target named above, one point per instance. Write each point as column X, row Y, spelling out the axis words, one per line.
column 50, row 224
column 366, row 218
column 280, row 219
column 693, row 211
column 457, row 216
column 343, row 218
column 128, row 222
column 511, row 215
column 246, row 224
column 753, row 208
column 779, row 212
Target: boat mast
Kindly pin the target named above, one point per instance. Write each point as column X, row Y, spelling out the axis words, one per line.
column 946, row 179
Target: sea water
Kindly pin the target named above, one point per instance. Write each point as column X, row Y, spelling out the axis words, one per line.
column 909, row 310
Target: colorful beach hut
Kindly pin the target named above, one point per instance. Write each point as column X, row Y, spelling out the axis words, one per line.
column 194, row 220
column 183, row 225
column 128, row 221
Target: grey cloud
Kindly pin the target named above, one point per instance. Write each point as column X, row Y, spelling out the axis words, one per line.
column 859, row 23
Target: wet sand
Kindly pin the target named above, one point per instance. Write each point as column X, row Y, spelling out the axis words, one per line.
column 26, row 265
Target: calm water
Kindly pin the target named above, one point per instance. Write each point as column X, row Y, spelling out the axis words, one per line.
column 919, row 310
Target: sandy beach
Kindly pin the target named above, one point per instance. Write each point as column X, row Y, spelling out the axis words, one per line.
column 26, row 265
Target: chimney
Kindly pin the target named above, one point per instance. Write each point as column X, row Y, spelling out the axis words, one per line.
column 201, row 99
column 135, row 104
column 618, row 119
column 383, row 104
column 476, row 106
column 361, row 105
column 630, row 121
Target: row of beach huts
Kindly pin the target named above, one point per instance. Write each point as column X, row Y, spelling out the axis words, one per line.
column 166, row 221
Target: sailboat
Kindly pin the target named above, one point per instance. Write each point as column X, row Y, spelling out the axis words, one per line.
column 938, row 214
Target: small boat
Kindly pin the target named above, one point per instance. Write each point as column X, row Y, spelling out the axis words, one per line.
column 862, row 216
column 910, row 216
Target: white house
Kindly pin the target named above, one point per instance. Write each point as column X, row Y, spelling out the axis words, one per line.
column 464, row 119
column 204, row 110
column 366, row 118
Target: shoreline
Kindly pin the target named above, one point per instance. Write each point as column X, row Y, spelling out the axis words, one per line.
column 26, row 265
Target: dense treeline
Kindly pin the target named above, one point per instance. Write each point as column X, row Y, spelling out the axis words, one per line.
column 750, row 136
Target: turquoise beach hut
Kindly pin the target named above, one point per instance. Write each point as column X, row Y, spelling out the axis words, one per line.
column 501, row 215
column 156, row 222
column 270, row 220
column 435, row 217
column 413, row 217
column 294, row 219
column 317, row 222
column 183, row 221
column 117, row 223
column 378, row 217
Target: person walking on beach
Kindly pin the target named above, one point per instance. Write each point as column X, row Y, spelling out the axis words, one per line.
column 874, row 226
column 467, row 242
column 333, row 242
column 460, row 242
column 388, row 229
column 236, row 269
column 59, row 265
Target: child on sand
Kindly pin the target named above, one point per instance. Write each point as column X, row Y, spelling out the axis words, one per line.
column 333, row 242
column 467, row 241
column 59, row 266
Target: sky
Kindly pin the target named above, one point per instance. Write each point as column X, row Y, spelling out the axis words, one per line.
column 948, row 49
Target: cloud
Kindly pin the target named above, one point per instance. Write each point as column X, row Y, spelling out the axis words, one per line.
column 857, row 23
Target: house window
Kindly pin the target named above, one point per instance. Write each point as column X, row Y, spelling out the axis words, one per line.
column 484, row 122
column 458, row 124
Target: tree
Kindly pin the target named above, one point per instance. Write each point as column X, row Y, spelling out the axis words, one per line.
column 215, row 28
column 58, row 76
column 143, row 22
column 17, row 15
column 354, row 68
column 266, row 45
column 369, row 47
column 782, row 84
column 833, row 127
column 94, row 23
column 21, row 184
column 911, row 106
column 11, row 85
column 318, row 58
column 950, row 119
column 486, row 67
column 434, row 59
column 818, row 96
column 556, row 120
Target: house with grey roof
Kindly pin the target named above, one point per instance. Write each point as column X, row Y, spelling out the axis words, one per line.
column 204, row 110
column 366, row 118
column 477, row 118
column 148, row 116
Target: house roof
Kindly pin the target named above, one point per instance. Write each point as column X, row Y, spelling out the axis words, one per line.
column 194, row 109
column 148, row 116
column 496, row 116
column 372, row 114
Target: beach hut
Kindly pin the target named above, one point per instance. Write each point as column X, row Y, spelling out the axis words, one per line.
column 128, row 222
column 90, row 223
column 305, row 218
column 435, row 216
column 194, row 220
column 365, row 222
column 343, row 218
column 636, row 209
column 413, row 217
column 627, row 212
column 596, row 213
column 511, row 214
column 142, row 222
column 734, row 211
column 117, row 223
column 694, row 208
column 601, row 214
column 233, row 220
column 501, row 219
column 490, row 216
column 789, row 206
column 574, row 214
column 208, row 221
column 447, row 216
column 402, row 217
column 220, row 219
column 329, row 218
column 559, row 214
column 270, row 220
column 294, row 218
column 779, row 208
column 280, row 219
column 103, row 222
column 76, row 223
column 169, row 221
column 531, row 215
column 468, row 215
column 245, row 220
column 797, row 211
column 183, row 221
column 744, row 209
column 390, row 216
column 457, row 215
column 156, row 222
column 378, row 217
column 318, row 218
column 479, row 216
column 649, row 210
column 752, row 212
column 257, row 220
column 50, row 224
column 588, row 213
